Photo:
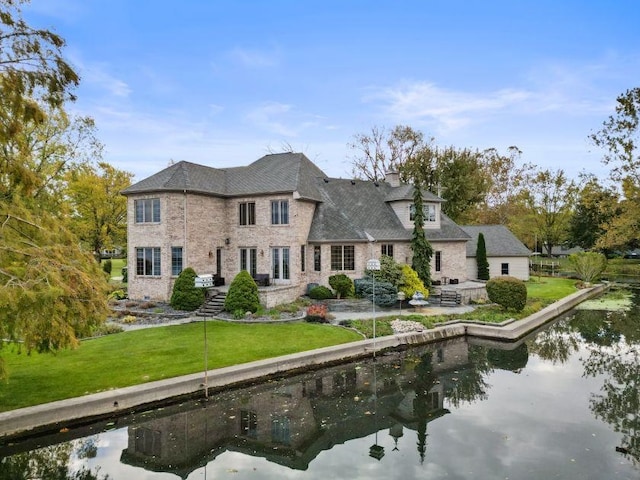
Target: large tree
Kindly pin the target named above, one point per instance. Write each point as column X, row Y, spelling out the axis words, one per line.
column 51, row 291
column 382, row 151
column 549, row 200
column 596, row 207
column 99, row 211
column 422, row 249
column 619, row 137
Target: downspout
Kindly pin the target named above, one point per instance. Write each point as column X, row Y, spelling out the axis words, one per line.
column 184, row 228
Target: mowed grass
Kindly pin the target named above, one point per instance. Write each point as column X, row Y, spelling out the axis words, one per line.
column 541, row 291
column 140, row 356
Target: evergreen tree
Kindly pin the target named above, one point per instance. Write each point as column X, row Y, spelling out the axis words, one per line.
column 481, row 258
column 422, row 249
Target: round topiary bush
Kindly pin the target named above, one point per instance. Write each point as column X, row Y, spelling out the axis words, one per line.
column 242, row 295
column 508, row 292
column 342, row 285
column 185, row 295
column 320, row 293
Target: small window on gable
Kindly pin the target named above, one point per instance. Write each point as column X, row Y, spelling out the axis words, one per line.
column 428, row 210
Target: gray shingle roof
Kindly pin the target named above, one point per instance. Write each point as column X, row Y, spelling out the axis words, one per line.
column 345, row 210
column 498, row 239
column 278, row 173
column 350, row 208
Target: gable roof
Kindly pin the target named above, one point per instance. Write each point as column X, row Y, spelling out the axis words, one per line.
column 498, row 239
column 351, row 209
column 277, row 173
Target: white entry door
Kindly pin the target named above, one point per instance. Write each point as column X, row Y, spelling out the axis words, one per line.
column 280, row 268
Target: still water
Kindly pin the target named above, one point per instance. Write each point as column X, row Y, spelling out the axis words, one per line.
column 563, row 403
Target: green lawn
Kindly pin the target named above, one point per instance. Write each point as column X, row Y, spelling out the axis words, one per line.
column 541, row 291
column 140, row 356
column 116, row 266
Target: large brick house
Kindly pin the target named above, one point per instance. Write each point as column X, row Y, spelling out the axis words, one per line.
column 280, row 216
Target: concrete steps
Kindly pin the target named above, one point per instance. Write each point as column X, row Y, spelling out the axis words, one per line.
column 213, row 305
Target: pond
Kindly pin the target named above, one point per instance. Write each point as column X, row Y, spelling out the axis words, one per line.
column 562, row 403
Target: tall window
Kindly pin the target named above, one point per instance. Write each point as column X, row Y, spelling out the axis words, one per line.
column 302, row 258
column 280, row 263
column 279, row 212
column 248, row 423
column 438, row 261
column 147, row 210
column 176, row 260
column 281, row 430
column 504, row 268
column 148, row 261
column 343, row 257
column 247, row 213
column 317, row 258
column 428, row 209
column 249, row 260
column 387, row 249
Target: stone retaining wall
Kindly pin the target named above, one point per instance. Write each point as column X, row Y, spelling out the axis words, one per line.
column 56, row 415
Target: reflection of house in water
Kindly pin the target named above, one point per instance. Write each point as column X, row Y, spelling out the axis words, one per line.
column 290, row 422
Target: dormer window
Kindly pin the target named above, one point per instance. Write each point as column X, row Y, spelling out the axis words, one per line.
column 428, row 209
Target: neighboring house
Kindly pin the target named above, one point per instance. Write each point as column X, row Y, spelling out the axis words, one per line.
column 506, row 254
column 280, row 216
column 562, row 251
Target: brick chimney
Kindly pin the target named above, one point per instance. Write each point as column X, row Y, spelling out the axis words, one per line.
column 392, row 178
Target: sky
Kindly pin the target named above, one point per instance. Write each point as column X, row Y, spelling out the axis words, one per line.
column 222, row 83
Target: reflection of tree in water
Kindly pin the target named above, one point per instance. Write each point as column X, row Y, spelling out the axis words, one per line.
column 470, row 385
column 555, row 344
column 424, row 382
column 614, row 353
column 49, row 463
column 513, row 360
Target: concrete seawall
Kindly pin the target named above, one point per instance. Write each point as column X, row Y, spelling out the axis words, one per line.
column 56, row 415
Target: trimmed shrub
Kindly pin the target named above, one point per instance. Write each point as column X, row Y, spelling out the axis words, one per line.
column 342, row 285
column 107, row 266
column 411, row 283
column 481, row 258
column 242, row 295
column 320, row 293
column 508, row 292
column 185, row 295
column 386, row 293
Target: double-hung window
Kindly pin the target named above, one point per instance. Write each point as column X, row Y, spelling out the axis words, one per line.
column 147, row 210
column 247, row 213
column 343, row 257
column 148, row 262
column 279, row 212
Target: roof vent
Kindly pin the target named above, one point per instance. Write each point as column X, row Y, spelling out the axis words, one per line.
column 353, row 182
column 376, row 184
column 326, row 180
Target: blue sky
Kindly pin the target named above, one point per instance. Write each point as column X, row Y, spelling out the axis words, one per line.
column 224, row 82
